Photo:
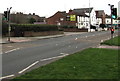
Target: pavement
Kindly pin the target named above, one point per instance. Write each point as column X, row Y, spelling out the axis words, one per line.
column 4, row 40
column 109, row 47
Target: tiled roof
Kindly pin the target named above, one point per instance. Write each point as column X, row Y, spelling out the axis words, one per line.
column 83, row 10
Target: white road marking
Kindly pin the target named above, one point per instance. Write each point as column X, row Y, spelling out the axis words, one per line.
column 63, row 53
column 55, row 57
column 12, row 50
column 6, row 76
column 76, row 38
column 9, row 46
column 101, row 40
column 76, row 47
column 28, row 67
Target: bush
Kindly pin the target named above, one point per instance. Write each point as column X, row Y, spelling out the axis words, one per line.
column 67, row 26
column 30, row 27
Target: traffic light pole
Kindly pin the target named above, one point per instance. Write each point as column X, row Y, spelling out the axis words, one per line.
column 8, row 19
column 111, row 7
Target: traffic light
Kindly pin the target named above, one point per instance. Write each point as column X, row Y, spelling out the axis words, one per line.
column 114, row 13
column 5, row 14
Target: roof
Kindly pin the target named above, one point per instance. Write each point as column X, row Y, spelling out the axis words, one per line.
column 63, row 13
column 83, row 10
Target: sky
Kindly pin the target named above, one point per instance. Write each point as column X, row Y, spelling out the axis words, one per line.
column 48, row 8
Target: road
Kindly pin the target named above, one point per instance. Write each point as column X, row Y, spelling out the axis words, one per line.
column 23, row 57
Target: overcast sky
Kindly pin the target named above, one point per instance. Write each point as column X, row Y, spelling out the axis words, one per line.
column 49, row 7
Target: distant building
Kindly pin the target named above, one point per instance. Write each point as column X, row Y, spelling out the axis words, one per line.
column 119, row 9
column 76, row 17
column 108, row 20
column 83, row 20
column 0, row 25
column 100, row 17
column 20, row 18
column 58, row 18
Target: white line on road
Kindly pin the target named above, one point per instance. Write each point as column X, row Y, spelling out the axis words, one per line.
column 6, row 76
column 9, row 46
column 76, row 38
column 28, row 67
column 63, row 53
column 101, row 40
column 12, row 50
column 55, row 57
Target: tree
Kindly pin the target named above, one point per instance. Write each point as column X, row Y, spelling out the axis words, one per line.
column 32, row 20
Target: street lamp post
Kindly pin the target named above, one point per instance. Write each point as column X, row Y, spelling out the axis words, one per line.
column 89, row 16
column 8, row 19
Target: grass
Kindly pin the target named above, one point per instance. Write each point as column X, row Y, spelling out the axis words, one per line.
column 115, row 41
column 92, row 63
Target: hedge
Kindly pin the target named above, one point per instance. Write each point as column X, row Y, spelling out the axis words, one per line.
column 69, row 26
column 29, row 27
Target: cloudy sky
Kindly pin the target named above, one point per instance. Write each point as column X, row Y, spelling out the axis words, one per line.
column 49, row 7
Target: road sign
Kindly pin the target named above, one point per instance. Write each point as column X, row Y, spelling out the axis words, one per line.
column 72, row 17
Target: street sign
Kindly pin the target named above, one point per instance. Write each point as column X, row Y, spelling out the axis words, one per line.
column 72, row 17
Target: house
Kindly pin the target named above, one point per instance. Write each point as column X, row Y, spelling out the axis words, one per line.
column 20, row 18
column 58, row 18
column 82, row 20
column 86, row 17
column 100, row 17
column 76, row 17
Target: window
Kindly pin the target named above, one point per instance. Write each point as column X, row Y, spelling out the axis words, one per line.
column 82, row 23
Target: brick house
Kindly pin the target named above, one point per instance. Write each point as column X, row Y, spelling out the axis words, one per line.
column 100, row 17
column 58, row 18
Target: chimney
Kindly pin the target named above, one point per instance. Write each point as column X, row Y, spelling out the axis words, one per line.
column 33, row 13
column 70, row 10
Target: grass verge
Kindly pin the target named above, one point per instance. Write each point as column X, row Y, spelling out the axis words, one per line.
column 92, row 63
column 115, row 41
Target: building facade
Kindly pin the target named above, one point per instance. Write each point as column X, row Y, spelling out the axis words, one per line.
column 76, row 17
column 119, row 9
column 100, row 17
column 86, row 17
column 57, row 19
column 0, row 25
